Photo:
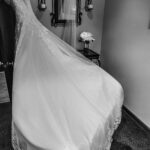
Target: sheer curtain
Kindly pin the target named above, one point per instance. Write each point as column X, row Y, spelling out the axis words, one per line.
column 68, row 12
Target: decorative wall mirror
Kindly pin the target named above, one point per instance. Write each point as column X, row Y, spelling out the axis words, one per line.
column 58, row 9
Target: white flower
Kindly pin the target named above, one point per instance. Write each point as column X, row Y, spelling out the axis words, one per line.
column 87, row 36
column 90, row 6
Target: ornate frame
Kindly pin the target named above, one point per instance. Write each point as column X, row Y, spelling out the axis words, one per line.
column 56, row 21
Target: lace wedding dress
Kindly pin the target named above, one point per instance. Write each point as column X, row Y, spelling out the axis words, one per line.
column 61, row 100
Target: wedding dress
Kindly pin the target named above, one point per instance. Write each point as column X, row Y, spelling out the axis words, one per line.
column 61, row 100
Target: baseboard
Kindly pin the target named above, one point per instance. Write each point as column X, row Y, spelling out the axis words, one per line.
column 136, row 119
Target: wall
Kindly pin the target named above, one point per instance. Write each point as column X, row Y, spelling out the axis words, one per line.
column 126, row 51
column 91, row 22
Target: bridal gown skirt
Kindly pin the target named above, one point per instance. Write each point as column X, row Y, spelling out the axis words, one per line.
column 61, row 100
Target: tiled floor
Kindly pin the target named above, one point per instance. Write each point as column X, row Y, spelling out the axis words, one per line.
column 131, row 135
column 5, row 126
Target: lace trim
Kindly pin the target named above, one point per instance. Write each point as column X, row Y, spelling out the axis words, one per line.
column 17, row 143
column 14, row 140
column 110, row 128
column 111, row 132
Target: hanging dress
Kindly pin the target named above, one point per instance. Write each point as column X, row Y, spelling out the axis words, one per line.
column 61, row 100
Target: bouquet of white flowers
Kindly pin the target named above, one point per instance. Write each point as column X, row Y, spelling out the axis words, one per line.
column 86, row 37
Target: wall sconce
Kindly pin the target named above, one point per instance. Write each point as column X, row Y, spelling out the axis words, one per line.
column 42, row 5
column 88, row 5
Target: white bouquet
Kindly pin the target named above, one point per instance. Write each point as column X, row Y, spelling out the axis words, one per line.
column 90, row 6
column 87, row 37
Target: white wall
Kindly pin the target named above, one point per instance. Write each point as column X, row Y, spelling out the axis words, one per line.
column 91, row 22
column 126, row 51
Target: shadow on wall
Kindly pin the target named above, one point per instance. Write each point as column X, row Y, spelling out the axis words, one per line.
column 90, row 15
column 125, row 48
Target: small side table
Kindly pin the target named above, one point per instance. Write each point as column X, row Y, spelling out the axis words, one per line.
column 90, row 54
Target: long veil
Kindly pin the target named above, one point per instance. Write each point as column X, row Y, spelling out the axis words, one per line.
column 68, row 13
column 61, row 100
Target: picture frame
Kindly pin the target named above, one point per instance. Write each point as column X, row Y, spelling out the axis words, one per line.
column 56, row 19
